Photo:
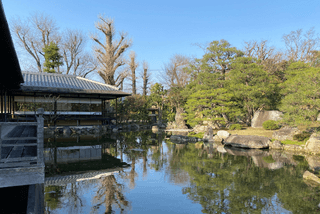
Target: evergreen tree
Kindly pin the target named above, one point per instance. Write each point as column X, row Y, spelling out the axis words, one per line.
column 252, row 87
column 301, row 96
column 207, row 97
column 52, row 58
column 219, row 57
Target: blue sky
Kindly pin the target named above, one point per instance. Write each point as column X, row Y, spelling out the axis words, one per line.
column 160, row 29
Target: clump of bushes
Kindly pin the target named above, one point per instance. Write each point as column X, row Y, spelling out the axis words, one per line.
column 301, row 137
column 193, row 134
column 235, row 127
column 270, row 125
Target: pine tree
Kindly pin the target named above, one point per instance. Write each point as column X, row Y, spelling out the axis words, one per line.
column 52, row 58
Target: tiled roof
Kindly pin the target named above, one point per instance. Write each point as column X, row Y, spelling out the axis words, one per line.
column 65, row 83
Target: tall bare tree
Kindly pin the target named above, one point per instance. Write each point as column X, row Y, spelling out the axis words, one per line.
column 269, row 57
column 145, row 77
column 175, row 74
column 133, row 66
column 38, row 30
column 300, row 46
column 77, row 61
column 72, row 46
column 34, row 33
column 110, row 53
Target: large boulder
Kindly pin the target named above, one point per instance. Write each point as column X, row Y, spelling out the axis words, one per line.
column 179, row 119
column 179, row 122
column 311, row 177
column 276, row 145
column 285, row 133
column 223, row 134
column 199, row 128
column 260, row 116
column 182, row 139
column 313, row 144
column 247, row 141
column 313, row 162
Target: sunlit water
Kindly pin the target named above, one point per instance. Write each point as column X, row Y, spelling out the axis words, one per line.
column 174, row 178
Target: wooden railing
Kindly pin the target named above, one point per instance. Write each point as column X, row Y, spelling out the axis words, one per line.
column 23, row 161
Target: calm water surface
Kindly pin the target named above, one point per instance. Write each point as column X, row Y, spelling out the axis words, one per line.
column 172, row 178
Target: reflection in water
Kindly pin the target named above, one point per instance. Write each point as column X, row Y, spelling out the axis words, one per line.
column 179, row 178
column 109, row 193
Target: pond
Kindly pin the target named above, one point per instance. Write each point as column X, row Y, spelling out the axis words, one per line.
column 92, row 176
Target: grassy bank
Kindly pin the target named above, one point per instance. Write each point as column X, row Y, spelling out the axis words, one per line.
column 252, row 131
column 265, row 133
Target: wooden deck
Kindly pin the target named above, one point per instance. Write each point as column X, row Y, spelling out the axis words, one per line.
column 14, row 148
column 21, row 149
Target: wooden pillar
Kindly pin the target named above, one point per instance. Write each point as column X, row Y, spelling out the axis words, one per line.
column 116, row 111
column 55, row 112
column 5, row 106
column 102, row 111
column 9, row 107
column 13, row 107
column 1, row 101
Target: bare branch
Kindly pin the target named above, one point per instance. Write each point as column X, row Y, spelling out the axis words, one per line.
column 109, row 55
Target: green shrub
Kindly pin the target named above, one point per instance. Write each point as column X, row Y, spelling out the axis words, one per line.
column 292, row 142
column 193, row 134
column 302, row 136
column 235, row 127
column 270, row 125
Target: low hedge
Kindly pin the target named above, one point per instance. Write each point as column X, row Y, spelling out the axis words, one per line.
column 302, row 136
column 235, row 127
column 270, row 125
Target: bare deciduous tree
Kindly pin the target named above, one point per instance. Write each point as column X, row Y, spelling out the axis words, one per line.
column 259, row 50
column 270, row 58
column 86, row 64
column 72, row 46
column 145, row 77
column 110, row 53
column 77, row 61
column 133, row 66
column 39, row 30
column 300, row 47
column 34, row 33
column 174, row 71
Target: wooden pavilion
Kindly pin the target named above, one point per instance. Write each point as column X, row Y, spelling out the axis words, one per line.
column 66, row 99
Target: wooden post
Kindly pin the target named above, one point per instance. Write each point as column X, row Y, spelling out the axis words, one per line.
column 40, row 161
column 116, row 111
column 102, row 111
column 55, row 112
column 5, row 106
column 13, row 107
column 1, row 101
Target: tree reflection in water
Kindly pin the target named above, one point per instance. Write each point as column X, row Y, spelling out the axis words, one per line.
column 224, row 183
column 110, row 192
column 221, row 180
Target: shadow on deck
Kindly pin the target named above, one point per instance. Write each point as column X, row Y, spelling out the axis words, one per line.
column 22, row 166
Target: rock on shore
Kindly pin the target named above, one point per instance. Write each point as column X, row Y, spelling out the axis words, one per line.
column 247, row 141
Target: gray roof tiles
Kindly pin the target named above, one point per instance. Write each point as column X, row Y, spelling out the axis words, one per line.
column 65, row 83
